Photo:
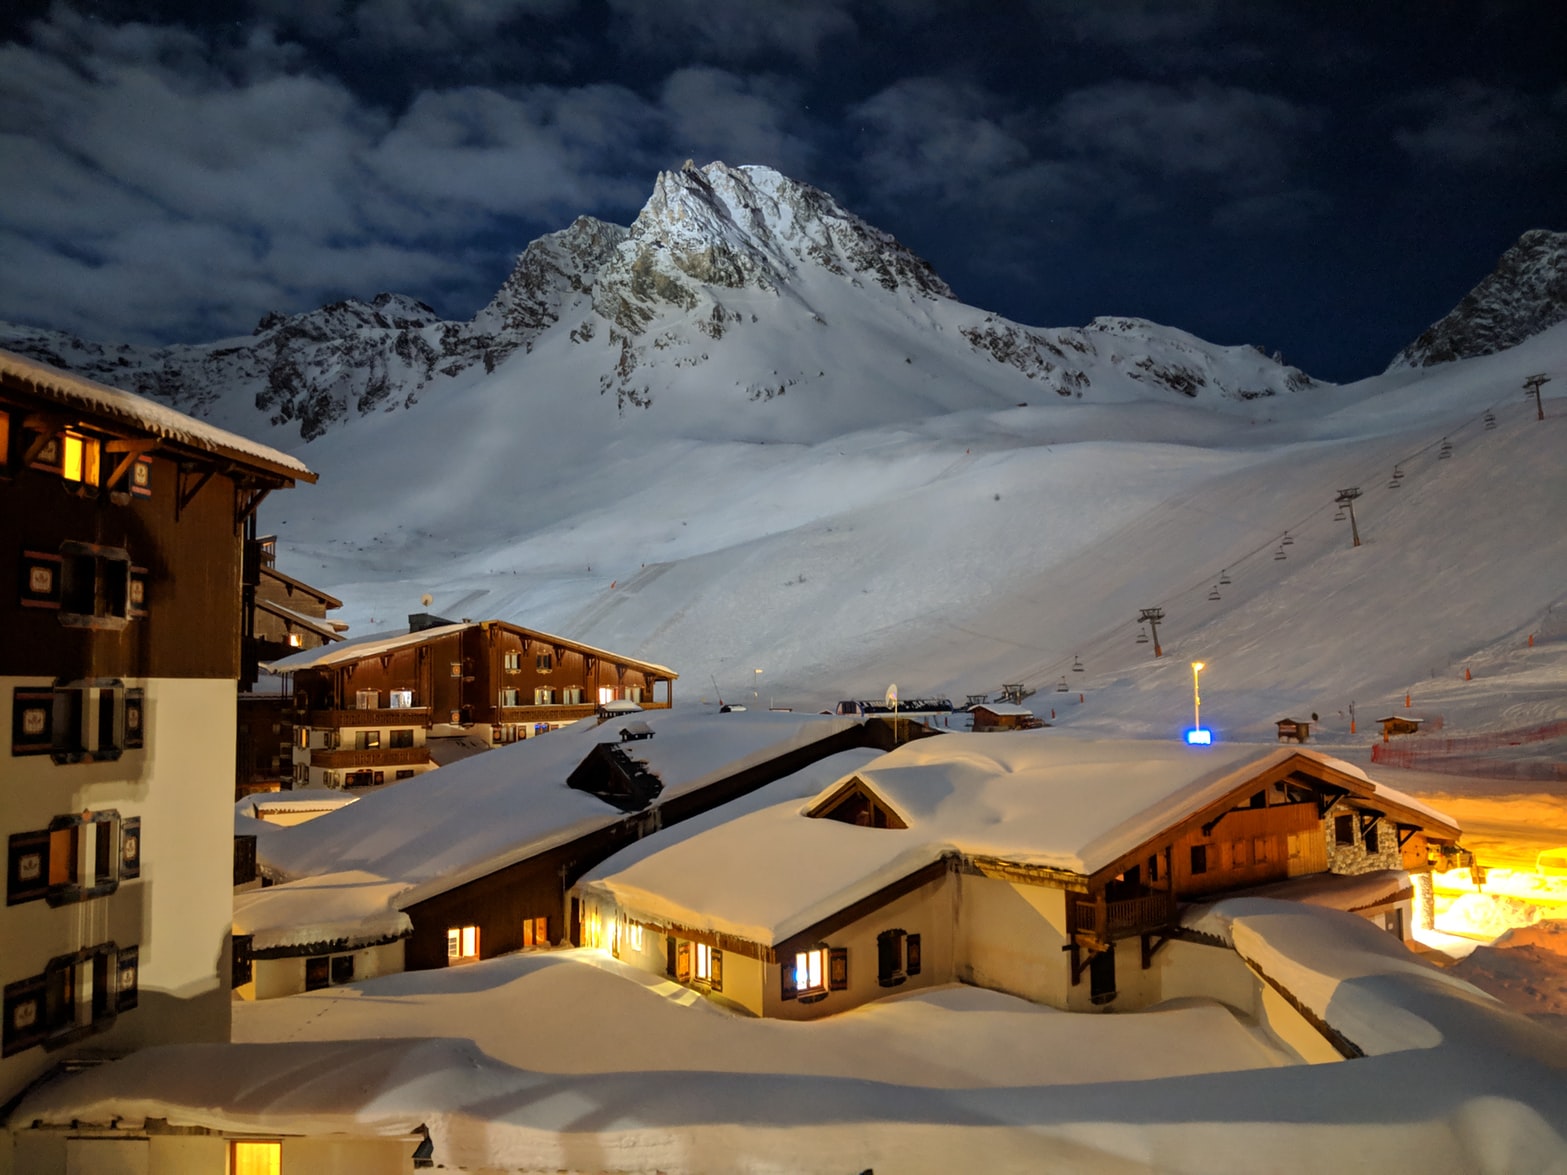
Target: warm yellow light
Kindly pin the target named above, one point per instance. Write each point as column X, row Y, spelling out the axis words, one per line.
column 71, row 465
column 258, row 1158
column 1198, row 667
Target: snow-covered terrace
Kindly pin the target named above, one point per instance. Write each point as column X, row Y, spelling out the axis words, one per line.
column 606, row 1073
column 1035, row 799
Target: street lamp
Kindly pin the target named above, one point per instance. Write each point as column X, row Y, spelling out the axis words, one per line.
column 1197, row 736
column 756, row 685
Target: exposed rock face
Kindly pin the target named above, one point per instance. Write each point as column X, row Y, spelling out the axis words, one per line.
column 642, row 302
column 1525, row 294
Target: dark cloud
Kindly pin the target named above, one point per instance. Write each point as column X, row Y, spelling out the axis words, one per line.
column 1466, row 124
column 1224, row 133
column 713, row 114
column 732, row 32
column 953, row 143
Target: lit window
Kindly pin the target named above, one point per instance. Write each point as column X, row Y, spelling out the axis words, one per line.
column 402, row 699
column 462, row 942
column 257, row 1158
column 634, row 936
column 80, row 459
column 535, row 932
column 544, row 662
column 544, row 696
column 810, row 971
column 369, row 740
column 511, row 661
column 606, row 694
column 704, row 961
column 295, row 640
column 509, row 697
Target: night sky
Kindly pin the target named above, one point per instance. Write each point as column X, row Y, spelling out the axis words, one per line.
column 1325, row 179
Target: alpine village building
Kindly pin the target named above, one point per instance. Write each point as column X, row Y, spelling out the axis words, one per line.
column 1058, row 870
column 364, row 711
column 124, row 523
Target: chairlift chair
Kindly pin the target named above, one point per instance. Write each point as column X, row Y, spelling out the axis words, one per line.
column 1214, row 594
column 1142, row 636
column 1490, row 420
column 1279, row 554
column 1340, row 516
column 1445, row 451
column 1286, row 541
column 1224, row 577
column 1077, row 664
column 1062, row 688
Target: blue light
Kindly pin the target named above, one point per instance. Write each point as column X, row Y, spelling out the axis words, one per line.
column 1199, row 737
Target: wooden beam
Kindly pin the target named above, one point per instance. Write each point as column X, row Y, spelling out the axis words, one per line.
column 246, row 501
column 50, row 430
column 190, row 484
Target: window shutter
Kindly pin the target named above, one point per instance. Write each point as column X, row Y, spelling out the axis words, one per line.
column 125, row 979
column 912, row 946
column 683, row 963
column 32, row 721
column 27, row 867
column 786, row 988
column 838, row 969
column 669, row 956
column 718, row 970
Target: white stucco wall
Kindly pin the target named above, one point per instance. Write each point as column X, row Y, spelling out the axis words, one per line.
column 179, row 911
column 273, row 978
column 1009, row 938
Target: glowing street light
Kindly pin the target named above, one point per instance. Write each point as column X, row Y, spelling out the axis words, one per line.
column 1197, row 736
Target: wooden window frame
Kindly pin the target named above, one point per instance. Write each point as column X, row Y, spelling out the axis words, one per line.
column 44, row 1010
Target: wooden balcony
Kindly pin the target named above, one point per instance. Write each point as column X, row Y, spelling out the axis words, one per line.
column 374, row 757
column 338, row 719
column 1104, row 921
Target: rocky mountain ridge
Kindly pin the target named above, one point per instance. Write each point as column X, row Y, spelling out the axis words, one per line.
column 713, row 249
column 1525, row 294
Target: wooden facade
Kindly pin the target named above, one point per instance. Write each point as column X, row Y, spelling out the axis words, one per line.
column 122, row 523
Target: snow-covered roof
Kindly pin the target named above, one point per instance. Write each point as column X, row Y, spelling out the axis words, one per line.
column 300, row 799
column 373, row 645
column 138, row 412
column 443, row 828
column 1005, row 709
column 351, row 907
column 1063, row 803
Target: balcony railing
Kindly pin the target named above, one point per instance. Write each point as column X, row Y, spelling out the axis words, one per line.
column 338, row 719
column 1106, row 921
column 371, row 757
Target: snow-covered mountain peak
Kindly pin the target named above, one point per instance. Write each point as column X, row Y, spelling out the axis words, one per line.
column 550, row 272
column 1525, row 294
column 737, row 227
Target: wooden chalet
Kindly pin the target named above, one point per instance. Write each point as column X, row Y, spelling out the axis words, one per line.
column 282, row 615
column 1293, row 730
column 989, row 716
column 1053, row 870
column 484, row 853
column 123, row 523
column 1397, row 724
column 363, row 711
